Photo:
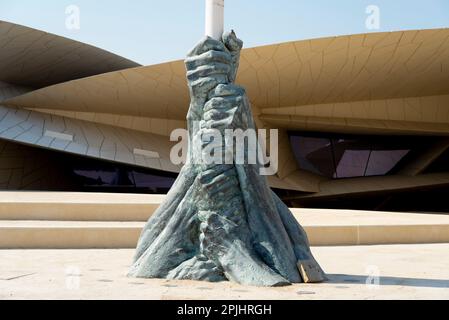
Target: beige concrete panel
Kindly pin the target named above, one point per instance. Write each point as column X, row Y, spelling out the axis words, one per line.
column 34, row 58
column 8, row 91
column 334, row 73
column 422, row 109
column 352, row 125
column 21, row 202
column 337, row 235
column 146, row 91
column 370, row 235
column 151, row 125
column 403, row 234
column 112, row 234
column 68, row 206
column 84, row 138
column 319, row 71
column 343, row 217
column 309, row 182
column 298, row 180
column 289, row 176
column 367, row 185
column 287, row 161
column 96, row 220
column 72, row 235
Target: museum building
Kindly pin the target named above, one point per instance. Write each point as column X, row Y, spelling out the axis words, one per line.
column 363, row 119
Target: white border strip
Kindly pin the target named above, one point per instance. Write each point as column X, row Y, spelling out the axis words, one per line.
column 146, row 153
column 58, row 135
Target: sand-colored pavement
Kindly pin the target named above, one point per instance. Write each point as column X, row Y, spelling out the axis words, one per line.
column 355, row 272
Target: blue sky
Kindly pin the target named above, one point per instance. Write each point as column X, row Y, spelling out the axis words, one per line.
column 153, row 31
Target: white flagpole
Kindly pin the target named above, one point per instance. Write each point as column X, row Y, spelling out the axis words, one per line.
column 215, row 18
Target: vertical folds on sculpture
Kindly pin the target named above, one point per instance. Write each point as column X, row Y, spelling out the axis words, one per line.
column 222, row 221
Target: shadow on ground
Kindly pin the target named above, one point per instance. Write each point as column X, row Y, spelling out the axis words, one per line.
column 389, row 281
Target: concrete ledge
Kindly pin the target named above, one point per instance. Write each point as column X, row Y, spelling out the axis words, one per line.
column 72, row 206
column 86, row 235
column 376, row 235
column 77, row 212
column 33, row 235
column 45, row 220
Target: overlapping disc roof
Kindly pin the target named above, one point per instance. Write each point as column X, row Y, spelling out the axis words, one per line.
column 375, row 83
column 336, row 70
column 36, row 59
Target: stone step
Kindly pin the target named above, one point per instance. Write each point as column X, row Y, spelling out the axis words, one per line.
column 94, row 220
column 72, row 206
column 90, row 235
column 68, row 234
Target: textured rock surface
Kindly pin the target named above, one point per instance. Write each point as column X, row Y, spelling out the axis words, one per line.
column 222, row 221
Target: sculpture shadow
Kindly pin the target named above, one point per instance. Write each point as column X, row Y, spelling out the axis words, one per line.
column 389, row 281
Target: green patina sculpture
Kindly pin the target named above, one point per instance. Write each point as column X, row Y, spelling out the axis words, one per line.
column 222, row 221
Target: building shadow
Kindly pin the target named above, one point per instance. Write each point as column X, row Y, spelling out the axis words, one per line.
column 388, row 281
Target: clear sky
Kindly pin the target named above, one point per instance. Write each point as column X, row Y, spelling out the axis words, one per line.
column 153, row 31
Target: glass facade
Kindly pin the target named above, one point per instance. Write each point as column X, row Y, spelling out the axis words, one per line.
column 119, row 178
column 34, row 169
column 29, row 168
column 439, row 165
column 340, row 157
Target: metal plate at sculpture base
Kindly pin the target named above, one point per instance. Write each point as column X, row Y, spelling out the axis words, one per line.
column 310, row 272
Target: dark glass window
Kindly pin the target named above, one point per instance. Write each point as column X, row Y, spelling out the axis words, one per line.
column 145, row 180
column 113, row 177
column 98, row 177
column 441, row 164
column 348, row 156
column 314, row 154
column 47, row 170
column 383, row 161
